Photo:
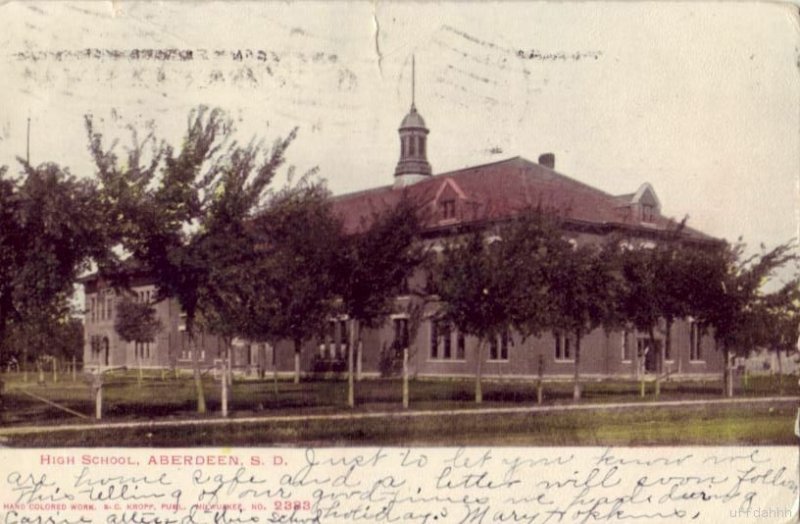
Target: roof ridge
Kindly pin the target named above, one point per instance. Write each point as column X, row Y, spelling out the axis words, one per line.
column 569, row 178
column 479, row 166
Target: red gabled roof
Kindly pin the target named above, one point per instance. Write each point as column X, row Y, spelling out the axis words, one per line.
column 496, row 191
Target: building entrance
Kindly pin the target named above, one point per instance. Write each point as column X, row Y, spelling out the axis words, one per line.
column 651, row 355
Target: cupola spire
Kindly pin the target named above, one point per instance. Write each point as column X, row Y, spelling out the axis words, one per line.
column 413, row 80
column 413, row 165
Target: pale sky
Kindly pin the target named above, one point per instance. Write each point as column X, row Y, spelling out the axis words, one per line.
column 702, row 100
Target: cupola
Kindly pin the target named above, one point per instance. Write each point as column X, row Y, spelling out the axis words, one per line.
column 413, row 165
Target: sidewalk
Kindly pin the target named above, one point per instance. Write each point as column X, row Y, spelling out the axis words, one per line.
column 23, row 430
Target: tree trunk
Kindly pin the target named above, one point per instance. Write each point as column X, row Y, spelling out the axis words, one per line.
column 478, row 371
column 297, row 361
column 659, row 362
column 405, row 377
column 274, row 347
column 666, row 350
column 98, row 402
column 725, row 370
column 576, row 387
column 55, row 370
column 2, row 336
column 97, row 391
column 351, row 346
column 780, row 373
column 198, row 379
column 139, row 365
column 359, row 360
column 74, row 369
column 25, row 363
column 262, row 361
column 225, row 379
column 539, row 383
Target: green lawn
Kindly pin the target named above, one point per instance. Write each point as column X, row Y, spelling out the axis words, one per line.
column 754, row 424
column 161, row 397
column 167, row 398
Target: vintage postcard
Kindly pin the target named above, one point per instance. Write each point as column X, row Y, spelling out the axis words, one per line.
column 424, row 262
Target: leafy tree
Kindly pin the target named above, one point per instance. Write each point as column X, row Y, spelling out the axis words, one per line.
column 136, row 322
column 732, row 297
column 172, row 205
column 639, row 303
column 293, row 280
column 582, row 292
column 52, row 227
column 776, row 323
column 666, row 282
column 10, row 242
column 374, row 264
column 487, row 286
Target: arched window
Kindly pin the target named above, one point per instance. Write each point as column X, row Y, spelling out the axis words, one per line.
column 413, row 151
column 422, row 146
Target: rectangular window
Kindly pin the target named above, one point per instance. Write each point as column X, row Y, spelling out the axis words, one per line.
column 498, row 348
column 434, row 342
column 344, row 337
column 448, row 209
column 626, row 346
column 446, row 343
column 446, row 337
column 695, row 342
column 648, row 213
column 331, row 340
column 460, row 346
column 400, row 333
column 564, row 346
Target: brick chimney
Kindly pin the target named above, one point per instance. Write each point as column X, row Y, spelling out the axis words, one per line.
column 547, row 160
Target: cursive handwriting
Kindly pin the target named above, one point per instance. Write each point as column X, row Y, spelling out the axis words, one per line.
column 423, row 486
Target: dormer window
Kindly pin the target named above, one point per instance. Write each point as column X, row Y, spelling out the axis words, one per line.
column 448, row 209
column 648, row 213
